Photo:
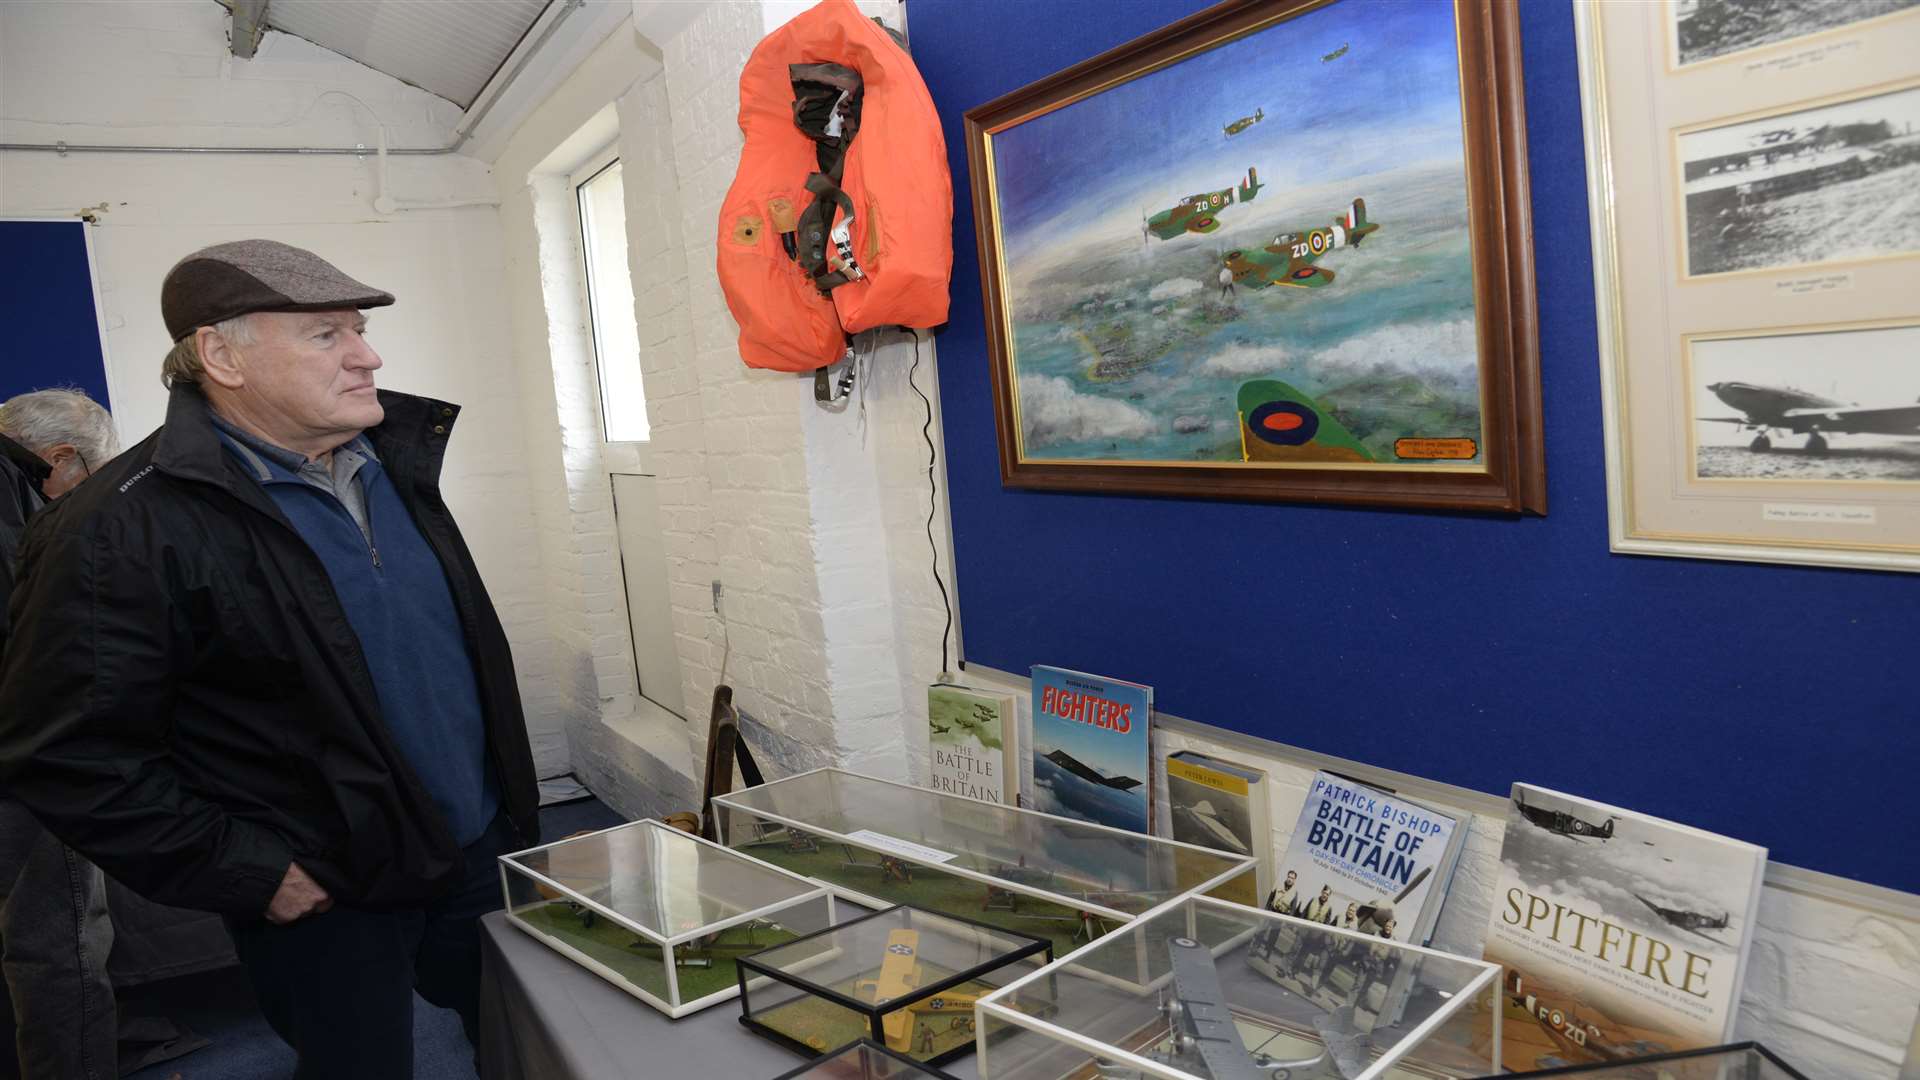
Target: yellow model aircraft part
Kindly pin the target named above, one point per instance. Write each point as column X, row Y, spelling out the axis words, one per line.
column 899, row 974
column 951, row 1001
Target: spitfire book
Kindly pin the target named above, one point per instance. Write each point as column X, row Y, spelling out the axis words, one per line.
column 1219, row 804
column 1090, row 748
column 1368, row 860
column 1621, row 934
column 972, row 736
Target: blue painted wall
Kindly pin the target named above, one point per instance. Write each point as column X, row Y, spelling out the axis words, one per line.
column 1771, row 703
column 52, row 337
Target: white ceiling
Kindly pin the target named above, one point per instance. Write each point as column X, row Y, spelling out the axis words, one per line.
column 448, row 47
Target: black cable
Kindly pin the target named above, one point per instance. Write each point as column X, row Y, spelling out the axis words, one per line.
column 933, row 497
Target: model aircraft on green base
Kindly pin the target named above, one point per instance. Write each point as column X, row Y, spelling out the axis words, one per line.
column 1290, row 260
column 1199, row 213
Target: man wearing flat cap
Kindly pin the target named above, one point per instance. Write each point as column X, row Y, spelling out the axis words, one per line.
column 254, row 670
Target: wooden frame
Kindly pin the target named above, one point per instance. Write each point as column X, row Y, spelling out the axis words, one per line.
column 1827, row 327
column 1509, row 475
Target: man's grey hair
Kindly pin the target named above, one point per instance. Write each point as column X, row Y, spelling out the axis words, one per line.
column 182, row 365
column 45, row 419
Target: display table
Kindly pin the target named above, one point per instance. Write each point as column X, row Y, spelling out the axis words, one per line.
column 543, row 1017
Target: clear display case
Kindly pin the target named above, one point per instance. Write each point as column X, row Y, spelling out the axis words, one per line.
column 905, row 978
column 1207, row 990
column 864, row 1060
column 1740, row 1061
column 660, row 913
column 879, row 842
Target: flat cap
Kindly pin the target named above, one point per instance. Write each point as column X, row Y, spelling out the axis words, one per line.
column 227, row 280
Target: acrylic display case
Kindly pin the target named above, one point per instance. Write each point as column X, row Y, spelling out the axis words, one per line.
column 660, row 913
column 864, row 1060
column 880, row 843
column 1207, row 990
column 1740, row 1061
column 905, row 978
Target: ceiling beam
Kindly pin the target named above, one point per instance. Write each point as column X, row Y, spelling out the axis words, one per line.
column 249, row 25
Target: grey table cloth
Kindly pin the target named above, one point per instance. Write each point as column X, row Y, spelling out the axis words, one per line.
column 543, row 1017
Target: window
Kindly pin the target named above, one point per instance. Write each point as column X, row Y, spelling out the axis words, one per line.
column 616, row 338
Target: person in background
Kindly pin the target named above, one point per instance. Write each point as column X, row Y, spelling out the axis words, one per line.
column 54, row 932
column 254, row 669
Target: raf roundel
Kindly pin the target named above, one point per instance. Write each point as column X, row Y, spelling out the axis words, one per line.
column 1284, row 423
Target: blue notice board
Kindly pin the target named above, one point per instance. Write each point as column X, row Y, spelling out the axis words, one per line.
column 1473, row 649
column 47, row 304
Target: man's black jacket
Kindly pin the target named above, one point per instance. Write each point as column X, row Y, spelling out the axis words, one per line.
column 21, row 474
column 185, row 703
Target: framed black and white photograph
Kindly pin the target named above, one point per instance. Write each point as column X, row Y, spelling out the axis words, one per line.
column 1815, row 185
column 1703, row 30
column 1756, row 240
column 1832, row 405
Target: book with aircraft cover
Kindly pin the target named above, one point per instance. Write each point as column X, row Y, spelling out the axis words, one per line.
column 1621, row 934
column 972, row 736
column 1222, row 805
column 1369, row 860
column 1090, row 749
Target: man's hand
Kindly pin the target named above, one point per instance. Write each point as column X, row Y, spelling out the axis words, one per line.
column 298, row 896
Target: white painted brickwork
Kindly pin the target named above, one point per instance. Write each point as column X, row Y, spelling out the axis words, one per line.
column 157, row 73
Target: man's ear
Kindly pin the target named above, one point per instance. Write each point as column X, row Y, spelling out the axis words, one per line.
column 219, row 359
column 59, row 454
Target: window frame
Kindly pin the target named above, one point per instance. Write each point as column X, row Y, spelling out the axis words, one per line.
column 589, row 170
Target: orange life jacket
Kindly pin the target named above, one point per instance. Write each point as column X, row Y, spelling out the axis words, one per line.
column 894, row 268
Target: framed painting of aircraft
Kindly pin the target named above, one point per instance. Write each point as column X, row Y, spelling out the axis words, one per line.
column 1272, row 251
column 1759, row 326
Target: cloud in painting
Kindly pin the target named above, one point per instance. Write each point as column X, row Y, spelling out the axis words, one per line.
column 1173, row 289
column 1245, row 360
column 1051, row 411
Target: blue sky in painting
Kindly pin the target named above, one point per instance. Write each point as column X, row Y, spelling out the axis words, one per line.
column 1393, row 99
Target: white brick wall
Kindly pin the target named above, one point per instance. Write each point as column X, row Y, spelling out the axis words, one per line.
column 158, row 73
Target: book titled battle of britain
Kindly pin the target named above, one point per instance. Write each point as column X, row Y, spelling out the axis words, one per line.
column 1090, row 749
column 972, row 736
column 1621, row 934
column 1368, row 860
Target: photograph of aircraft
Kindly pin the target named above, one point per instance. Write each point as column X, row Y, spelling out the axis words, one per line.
column 1850, row 394
column 1561, row 823
column 1770, row 409
column 938, row 728
column 1290, row 259
column 1088, row 773
column 1335, row 54
column 1244, row 123
column 1202, row 818
column 1691, row 921
column 1198, row 213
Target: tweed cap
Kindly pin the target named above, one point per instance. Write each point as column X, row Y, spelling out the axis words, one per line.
column 226, row 280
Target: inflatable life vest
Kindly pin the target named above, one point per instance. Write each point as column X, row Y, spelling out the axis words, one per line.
column 847, row 228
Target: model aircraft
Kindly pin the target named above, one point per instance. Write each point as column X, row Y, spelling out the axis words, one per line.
column 1205, row 818
column 1336, row 54
column 1203, row 1038
column 1766, row 409
column 1088, row 773
column 1691, row 921
column 1244, row 123
column 1290, row 259
column 1561, row 823
column 1198, row 213
column 899, row 975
